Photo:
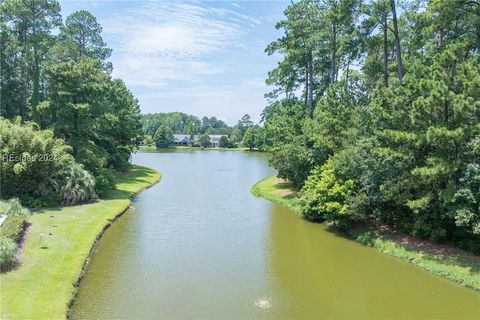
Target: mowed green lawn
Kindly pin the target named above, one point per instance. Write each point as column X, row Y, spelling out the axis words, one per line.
column 42, row 285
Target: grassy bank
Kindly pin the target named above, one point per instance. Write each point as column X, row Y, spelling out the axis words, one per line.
column 41, row 287
column 451, row 263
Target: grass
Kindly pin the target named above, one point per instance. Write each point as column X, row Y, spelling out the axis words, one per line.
column 454, row 264
column 43, row 285
column 277, row 190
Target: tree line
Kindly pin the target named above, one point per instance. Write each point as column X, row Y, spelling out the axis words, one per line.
column 374, row 114
column 59, row 101
column 160, row 127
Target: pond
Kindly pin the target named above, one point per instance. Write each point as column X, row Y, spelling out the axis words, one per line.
column 199, row 245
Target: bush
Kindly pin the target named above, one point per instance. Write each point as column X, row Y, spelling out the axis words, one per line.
column 38, row 168
column 50, row 200
column 12, row 227
column 163, row 137
column 293, row 162
column 13, row 207
column 324, row 196
column 224, row 142
column 204, row 141
column 104, row 182
column 78, row 186
column 8, row 249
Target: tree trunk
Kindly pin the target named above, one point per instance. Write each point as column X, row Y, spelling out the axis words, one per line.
column 397, row 41
column 440, row 38
column 334, row 53
column 306, row 86
column 478, row 38
column 22, row 34
column 385, row 51
column 310, row 83
column 36, row 79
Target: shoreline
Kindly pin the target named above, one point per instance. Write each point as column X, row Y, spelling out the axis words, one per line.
column 78, row 230
column 448, row 262
column 95, row 243
column 155, row 149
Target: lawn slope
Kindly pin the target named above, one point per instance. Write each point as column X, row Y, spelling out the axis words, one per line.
column 41, row 287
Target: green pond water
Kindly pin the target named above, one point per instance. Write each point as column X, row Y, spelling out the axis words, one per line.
column 199, row 245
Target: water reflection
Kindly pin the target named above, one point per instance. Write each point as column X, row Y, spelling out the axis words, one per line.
column 199, row 245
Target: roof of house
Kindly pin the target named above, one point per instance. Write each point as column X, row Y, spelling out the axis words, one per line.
column 186, row 137
column 181, row 137
column 216, row 137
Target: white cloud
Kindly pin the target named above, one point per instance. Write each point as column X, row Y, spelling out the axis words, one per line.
column 197, row 57
column 175, row 29
column 162, row 41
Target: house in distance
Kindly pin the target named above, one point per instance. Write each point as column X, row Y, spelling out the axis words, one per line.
column 184, row 139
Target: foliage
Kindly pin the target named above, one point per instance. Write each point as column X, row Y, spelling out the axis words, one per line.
column 8, row 249
column 26, row 38
column 283, row 120
column 36, row 164
column 181, row 123
column 204, row 141
column 14, row 223
column 163, row 137
column 13, row 207
column 80, row 37
column 78, row 185
column 394, row 141
column 324, row 195
column 104, row 182
column 12, row 227
column 249, row 138
column 57, row 75
column 224, row 142
column 293, row 162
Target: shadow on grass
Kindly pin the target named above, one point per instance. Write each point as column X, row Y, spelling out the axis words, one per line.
column 437, row 253
column 454, row 259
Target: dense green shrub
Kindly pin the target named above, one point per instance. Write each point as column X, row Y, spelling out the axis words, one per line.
column 465, row 208
column 425, row 126
column 12, row 227
column 50, row 200
column 8, row 249
column 104, row 181
column 324, row 196
column 39, row 169
column 204, row 141
column 293, row 162
column 13, row 207
column 224, row 142
column 78, row 185
column 163, row 137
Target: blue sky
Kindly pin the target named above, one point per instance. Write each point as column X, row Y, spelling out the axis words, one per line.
column 198, row 57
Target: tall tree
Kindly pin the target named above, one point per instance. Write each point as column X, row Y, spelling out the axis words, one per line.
column 398, row 48
column 31, row 21
column 377, row 14
column 300, row 39
column 80, row 37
